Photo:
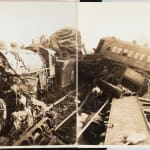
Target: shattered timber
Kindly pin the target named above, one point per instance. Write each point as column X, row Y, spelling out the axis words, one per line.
column 114, row 98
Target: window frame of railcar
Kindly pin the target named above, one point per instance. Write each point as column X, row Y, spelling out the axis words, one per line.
column 136, row 55
column 114, row 49
column 142, row 57
column 131, row 53
column 119, row 50
column 109, row 48
column 125, row 52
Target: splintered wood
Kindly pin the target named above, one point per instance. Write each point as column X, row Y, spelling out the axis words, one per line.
column 127, row 123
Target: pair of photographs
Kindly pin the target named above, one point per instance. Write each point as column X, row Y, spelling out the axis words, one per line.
column 74, row 74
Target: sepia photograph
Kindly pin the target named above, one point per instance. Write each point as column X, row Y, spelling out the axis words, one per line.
column 75, row 75
column 114, row 74
column 37, row 73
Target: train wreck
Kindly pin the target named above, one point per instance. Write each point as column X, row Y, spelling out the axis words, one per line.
column 114, row 94
column 37, row 94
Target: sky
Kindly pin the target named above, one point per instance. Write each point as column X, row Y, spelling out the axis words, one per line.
column 127, row 21
column 22, row 21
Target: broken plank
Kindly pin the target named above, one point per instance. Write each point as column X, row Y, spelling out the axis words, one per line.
column 127, row 119
column 144, row 99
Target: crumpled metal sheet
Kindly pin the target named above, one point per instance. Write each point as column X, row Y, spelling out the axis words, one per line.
column 23, row 61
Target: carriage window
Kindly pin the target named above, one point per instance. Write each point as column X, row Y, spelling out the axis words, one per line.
column 108, row 48
column 130, row 53
column 142, row 56
column 119, row 50
column 114, row 49
column 53, row 60
column 148, row 59
column 137, row 54
column 125, row 52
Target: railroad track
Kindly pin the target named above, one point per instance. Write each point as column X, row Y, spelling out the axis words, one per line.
column 145, row 108
column 103, row 110
column 51, row 131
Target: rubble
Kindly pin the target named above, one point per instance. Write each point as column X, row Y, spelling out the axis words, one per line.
column 33, row 108
column 32, row 87
column 110, row 73
column 65, row 42
column 93, row 132
column 133, row 138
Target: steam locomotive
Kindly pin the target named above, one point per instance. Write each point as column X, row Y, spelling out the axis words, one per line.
column 26, row 73
column 23, row 71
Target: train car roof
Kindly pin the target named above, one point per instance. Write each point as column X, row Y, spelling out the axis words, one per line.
column 128, row 45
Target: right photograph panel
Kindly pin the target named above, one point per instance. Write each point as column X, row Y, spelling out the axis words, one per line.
column 114, row 74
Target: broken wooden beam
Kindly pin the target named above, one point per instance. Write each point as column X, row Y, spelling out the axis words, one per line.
column 113, row 90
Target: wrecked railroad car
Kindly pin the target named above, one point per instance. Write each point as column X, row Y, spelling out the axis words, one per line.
column 23, row 71
column 118, row 71
column 29, row 65
column 65, row 72
column 112, row 72
column 124, row 52
column 134, row 81
column 110, row 60
column 27, row 75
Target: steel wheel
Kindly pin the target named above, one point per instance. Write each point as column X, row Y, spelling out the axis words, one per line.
column 3, row 114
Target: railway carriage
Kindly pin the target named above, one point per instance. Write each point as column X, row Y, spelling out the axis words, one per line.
column 125, row 52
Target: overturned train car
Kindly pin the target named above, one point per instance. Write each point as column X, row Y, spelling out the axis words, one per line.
column 124, row 52
column 118, row 62
column 115, row 66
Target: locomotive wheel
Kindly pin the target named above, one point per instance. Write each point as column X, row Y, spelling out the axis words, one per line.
column 3, row 114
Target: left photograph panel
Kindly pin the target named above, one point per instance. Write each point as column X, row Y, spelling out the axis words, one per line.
column 38, row 73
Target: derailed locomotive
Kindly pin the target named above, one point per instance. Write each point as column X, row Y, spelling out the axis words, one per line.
column 23, row 73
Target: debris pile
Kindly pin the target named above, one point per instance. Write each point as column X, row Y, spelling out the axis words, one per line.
column 65, row 42
column 30, row 85
column 107, row 74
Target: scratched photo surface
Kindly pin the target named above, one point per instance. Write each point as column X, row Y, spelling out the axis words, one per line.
column 114, row 74
column 37, row 73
